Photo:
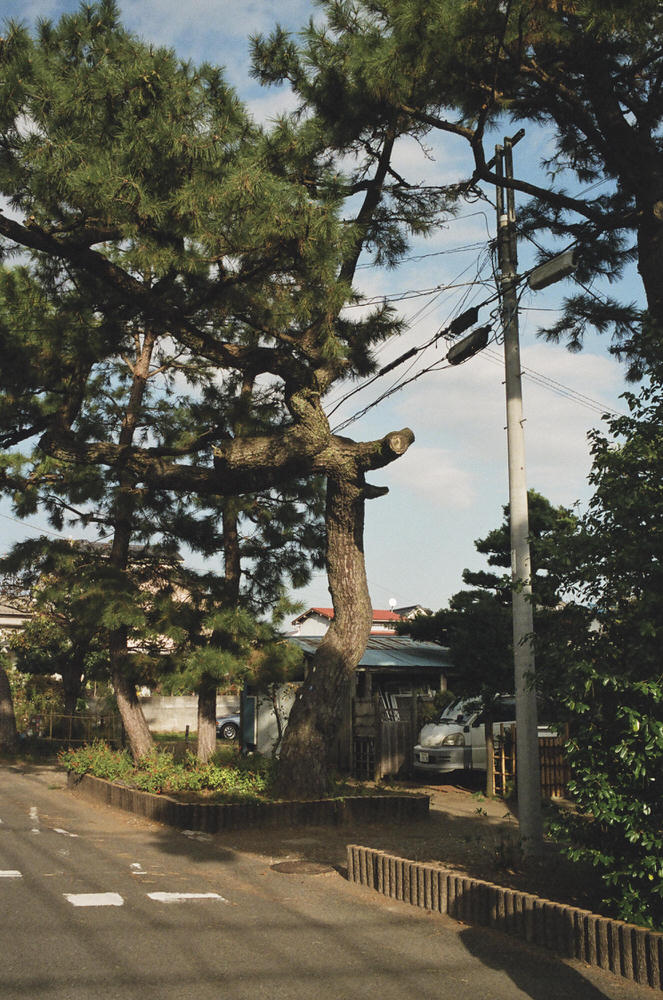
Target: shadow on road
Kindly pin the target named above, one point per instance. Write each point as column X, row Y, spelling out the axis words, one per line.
column 539, row 976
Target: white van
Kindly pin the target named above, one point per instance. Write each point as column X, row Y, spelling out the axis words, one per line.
column 457, row 741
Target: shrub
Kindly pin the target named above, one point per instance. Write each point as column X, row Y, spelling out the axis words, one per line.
column 159, row 772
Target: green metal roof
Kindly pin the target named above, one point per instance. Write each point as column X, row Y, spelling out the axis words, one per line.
column 390, row 651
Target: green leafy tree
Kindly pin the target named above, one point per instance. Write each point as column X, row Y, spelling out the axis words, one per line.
column 608, row 654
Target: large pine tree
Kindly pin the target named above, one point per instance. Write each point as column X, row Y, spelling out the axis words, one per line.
column 173, row 254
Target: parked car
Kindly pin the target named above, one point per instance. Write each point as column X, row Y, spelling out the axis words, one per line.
column 227, row 728
column 457, row 741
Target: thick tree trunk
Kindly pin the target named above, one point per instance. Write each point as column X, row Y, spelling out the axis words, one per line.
column 8, row 737
column 650, row 258
column 206, row 719
column 231, row 577
column 71, row 687
column 133, row 720
column 314, row 720
column 135, row 726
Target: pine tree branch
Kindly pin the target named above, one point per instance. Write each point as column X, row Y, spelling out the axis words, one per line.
column 146, row 299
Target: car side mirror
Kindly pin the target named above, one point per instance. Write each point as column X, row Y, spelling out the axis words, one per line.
column 466, row 729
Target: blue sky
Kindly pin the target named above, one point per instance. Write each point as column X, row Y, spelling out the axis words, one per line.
column 448, row 490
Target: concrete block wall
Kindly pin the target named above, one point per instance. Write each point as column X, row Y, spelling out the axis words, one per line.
column 172, row 714
column 626, row 950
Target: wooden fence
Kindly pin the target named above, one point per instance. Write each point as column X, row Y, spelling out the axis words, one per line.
column 553, row 765
column 73, row 729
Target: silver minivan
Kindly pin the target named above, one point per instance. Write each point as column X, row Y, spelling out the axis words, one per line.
column 457, row 741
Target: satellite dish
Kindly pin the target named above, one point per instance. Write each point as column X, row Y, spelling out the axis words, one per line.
column 392, row 603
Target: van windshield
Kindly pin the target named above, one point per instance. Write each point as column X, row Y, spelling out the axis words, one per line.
column 455, row 713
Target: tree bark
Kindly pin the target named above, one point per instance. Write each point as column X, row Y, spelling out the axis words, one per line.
column 71, row 686
column 650, row 258
column 232, row 577
column 310, row 735
column 136, row 728
column 133, row 720
column 206, row 719
column 8, row 737
column 314, row 720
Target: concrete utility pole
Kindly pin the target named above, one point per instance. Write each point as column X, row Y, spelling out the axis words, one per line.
column 527, row 764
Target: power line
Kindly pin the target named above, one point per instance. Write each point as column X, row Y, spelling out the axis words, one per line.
column 33, row 527
column 553, row 385
column 413, row 293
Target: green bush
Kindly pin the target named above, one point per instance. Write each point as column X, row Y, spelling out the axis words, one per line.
column 238, row 778
column 98, row 759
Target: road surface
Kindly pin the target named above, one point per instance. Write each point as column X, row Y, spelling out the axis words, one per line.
column 95, row 903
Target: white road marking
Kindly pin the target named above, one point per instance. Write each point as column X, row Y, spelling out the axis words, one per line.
column 137, row 869
column 10, row 874
column 65, row 833
column 182, row 897
column 94, row 898
column 35, row 829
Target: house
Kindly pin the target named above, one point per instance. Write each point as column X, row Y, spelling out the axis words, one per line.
column 379, row 723
column 11, row 620
column 316, row 621
column 392, row 667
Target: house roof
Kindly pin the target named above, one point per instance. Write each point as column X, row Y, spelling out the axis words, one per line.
column 379, row 615
column 11, row 617
column 6, row 609
column 389, row 651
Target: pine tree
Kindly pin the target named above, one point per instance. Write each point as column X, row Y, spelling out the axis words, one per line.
column 170, row 241
column 65, row 634
column 588, row 71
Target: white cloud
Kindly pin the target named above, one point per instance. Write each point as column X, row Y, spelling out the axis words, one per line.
column 434, row 475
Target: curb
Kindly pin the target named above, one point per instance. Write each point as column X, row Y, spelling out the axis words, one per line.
column 626, row 950
column 240, row 816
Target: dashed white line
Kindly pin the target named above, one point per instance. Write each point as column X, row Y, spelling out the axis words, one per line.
column 94, row 898
column 183, row 897
column 65, row 833
column 10, row 874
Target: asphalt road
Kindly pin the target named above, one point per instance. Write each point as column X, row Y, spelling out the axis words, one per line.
column 95, row 903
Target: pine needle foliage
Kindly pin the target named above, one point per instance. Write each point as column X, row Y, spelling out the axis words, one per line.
column 589, row 72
